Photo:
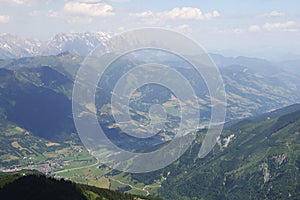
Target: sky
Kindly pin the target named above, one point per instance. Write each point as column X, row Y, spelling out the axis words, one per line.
column 243, row 27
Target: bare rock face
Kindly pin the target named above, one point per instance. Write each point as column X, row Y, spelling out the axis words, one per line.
column 82, row 43
column 280, row 159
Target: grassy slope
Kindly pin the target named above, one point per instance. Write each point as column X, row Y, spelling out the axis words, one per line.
column 35, row 186
column 262, row 162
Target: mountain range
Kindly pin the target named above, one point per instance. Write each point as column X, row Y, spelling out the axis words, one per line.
column 41, row 87
column 256, row 157
column 82, row 43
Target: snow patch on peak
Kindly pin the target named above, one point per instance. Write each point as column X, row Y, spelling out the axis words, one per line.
column 82, row 43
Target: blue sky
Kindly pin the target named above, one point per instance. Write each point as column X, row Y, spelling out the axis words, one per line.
column 248, row 27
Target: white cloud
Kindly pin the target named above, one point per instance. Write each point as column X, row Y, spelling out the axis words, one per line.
column 35, row 13
column 75, row 12
column 142, row 14
column 71, row 19
column 53, row 14
column 120, row 1
column 147, row 17
column 4, row 19
column 290, row 25
column 237, row 30
column 15, row 2
column 212, row 15
column 231, row 30
column 254, row 28
column 99, row 1
column 24, row 2
column 185, row 28
column 274, row 13
column 185, row 13
column 88, row 9
column 79, row 20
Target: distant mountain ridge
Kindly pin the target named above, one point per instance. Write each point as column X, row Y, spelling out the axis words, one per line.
column 82, row 43
column 250, row 90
